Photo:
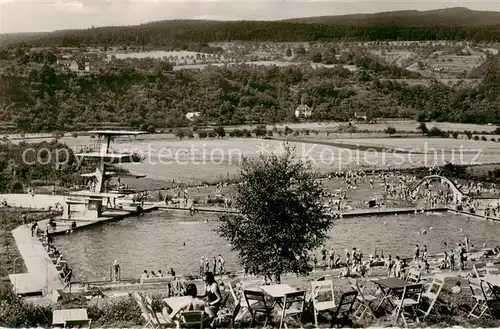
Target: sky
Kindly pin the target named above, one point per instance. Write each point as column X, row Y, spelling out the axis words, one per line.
column 50, row 15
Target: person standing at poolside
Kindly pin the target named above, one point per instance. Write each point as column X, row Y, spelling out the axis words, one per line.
column 214, row 266
column 207, row 265
column 222, row 269
column 116, row 271
column 202, row 266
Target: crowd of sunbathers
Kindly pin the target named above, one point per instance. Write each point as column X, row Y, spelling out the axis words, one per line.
column 353, row 264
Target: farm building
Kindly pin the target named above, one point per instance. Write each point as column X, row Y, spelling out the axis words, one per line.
column 192, row 115
column 303, row 111
column 360, row 116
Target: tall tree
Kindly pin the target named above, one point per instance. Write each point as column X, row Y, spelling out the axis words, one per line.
column 281, row 218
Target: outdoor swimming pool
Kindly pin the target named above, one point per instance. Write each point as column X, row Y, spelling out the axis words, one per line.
column 156, row 240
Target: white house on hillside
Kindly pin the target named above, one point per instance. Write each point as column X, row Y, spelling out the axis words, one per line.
column 192, row 115
column 303, row 111
column 360, row 116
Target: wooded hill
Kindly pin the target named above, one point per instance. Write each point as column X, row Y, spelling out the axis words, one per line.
column 446, row 24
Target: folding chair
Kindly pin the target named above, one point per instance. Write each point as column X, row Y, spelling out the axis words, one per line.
column 482, row 300
column 236, row 290
column 365, row 301
column 153, row 320
column 150, row 322
column 480, row 269
column 431, row 294
column 410, row 300
column 413, row 276
column 191, row 319
column 322, row 289
column 293, row 305
column 342, row 314
column 257, row 303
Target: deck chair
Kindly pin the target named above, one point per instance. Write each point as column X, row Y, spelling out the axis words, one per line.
column 257, row 303
column 365, row 301
column 236, row 290
column 293, row 305
column 409, row 302
column 431, row 294
column 482, row 300
column 150, row 323
column 153, row 320
column 342, row 314
column 321, row 289
column 191, row 319
column 413, row 276
column 480, row 270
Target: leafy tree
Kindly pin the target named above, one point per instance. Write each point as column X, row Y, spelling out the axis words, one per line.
column 220, row 131
column 180, row 133
column 238, row 133
column 422, row 127
column 288, row 52
column 476, row 138
column 202, row 134
column 390, row 130
column 468, row 134
column 287, row 131
column 260, row 131
column 454, row 134
column 436, row 132
column 279, row 195
column 317, row 58
column 484, row 139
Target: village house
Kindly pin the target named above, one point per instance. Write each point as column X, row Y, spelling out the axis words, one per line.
column 360, row 116
column 192, row 115
column 303, row 111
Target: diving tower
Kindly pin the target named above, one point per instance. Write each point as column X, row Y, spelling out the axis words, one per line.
column 92, row 200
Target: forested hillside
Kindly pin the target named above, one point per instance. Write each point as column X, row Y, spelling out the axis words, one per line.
column 448, row 24
column 41, row 97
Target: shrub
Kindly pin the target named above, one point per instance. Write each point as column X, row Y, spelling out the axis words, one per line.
column 202, row 134
column 237, row 133
column 483, row 138
column 15, row 313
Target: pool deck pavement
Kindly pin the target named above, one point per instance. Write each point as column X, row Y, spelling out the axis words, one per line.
column 37, row 201
column 42, row 276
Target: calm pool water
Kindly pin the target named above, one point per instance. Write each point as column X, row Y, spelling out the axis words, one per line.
column 156, row 240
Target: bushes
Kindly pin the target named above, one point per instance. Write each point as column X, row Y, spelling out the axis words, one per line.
column 117, row 313
column 15, row 313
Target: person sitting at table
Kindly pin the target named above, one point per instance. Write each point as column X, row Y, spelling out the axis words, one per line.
column 213, row 294
column 192, row 304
